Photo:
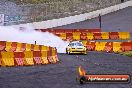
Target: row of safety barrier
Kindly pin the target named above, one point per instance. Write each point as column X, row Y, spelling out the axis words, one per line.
column 108, row 46
column 58, row 31
column 19, row 54
column 16, row 46
column 85, row 34
column 94, row 35
column 28, row 58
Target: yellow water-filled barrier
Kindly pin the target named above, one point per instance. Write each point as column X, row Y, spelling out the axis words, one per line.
column 44, row 57
column 84, row 42
column 76, row 35
column 36, row 48
column 100, row 46
column 63, row 36
column 116, row 46
column 28, row 47
column 44, row 48
column 8, row 46
column 124, row 35
column 7, row 59
column 90, row 36
column 28, row 59
column 105, row 35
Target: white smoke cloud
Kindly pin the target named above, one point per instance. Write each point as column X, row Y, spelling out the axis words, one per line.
column 27, row 34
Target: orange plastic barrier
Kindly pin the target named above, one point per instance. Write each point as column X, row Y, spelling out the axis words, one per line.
column 28, row 58
column 7, row 59
column 0, row 58
column 83, row 30
column 126, row 46
column 19, row 58
column 108, row 47
column 51, row 31
column 84, row 42
column 83, row 36
column 95, row 30
column 99, row 46
column 37, row 57
column 44, row 57
column 54, row 55
column 69, row 36
column 36, row 47
column 113, row 35
column 87, row 30
column 63, row 36
column 91, row 46
column 69, row 30
column 2, row 45
column 105, row 35
column 117, row 47
column 44, row 30
column 29, row 47
column 76, row 35
column 20, row 47
column 57, row 35
column 59, row 31
column 23, row 48
column 50, row 59
column 90, row 36
column 14, row 46
column 97, row 35
column 8, row 46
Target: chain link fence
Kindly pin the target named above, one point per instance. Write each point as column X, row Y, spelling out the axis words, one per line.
column 53, row 9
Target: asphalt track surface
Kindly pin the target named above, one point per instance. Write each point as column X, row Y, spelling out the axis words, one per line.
column 117, row 21
column 63, row 75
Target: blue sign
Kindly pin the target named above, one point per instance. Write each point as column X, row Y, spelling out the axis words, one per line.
column 12, row 18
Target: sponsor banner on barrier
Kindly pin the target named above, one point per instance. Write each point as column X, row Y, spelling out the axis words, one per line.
column 1, row 19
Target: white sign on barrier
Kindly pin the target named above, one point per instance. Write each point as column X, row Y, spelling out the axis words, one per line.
column 1, row 19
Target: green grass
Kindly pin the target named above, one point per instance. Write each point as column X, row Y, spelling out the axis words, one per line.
column 127, row 53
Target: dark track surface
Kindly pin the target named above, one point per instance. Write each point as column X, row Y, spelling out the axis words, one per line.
column 116, row 21
column 63, row 75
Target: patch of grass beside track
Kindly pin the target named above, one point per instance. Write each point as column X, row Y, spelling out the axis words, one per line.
column 126, row 53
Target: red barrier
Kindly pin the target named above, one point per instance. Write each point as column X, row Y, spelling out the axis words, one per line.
column 56, row 55
column 97, row 35
column 84, row 30
column 14, row 46
column 90, row 46
column 37, row 57
column 126, row 46
column 32, row 47
column 113, row 35
column 50, row 55
column 69, row 36
column 44, row 30
column 58, row 31
column 23, row 48
column 94, row 30
column 57, row 35
column 0, row 59
column 51, row 31
column 108, row 47
column 69, row 30
column 19, row 58
column 83, row 36
column 2, row 45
